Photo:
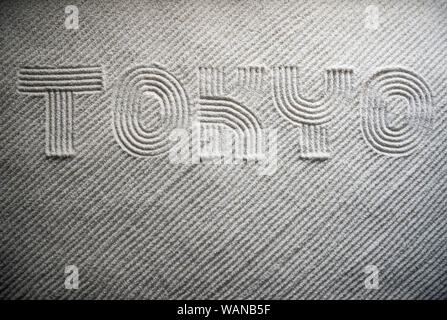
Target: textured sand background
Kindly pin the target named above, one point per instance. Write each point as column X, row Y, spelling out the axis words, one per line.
column 146, row 228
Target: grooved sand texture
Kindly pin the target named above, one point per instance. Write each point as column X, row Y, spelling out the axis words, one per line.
column 141, row 227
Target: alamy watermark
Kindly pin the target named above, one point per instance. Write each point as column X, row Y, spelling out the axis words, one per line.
column 372, row 278
column 72, row 17
column 220, row 145
column 372, row 17
column 72, row 277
